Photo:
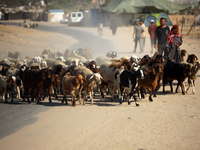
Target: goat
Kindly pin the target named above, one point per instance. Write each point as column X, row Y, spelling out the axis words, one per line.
column 127, row 83
column 91, row 78
column 150, row 81
column 72, row 85
column 108, row 71
column 176, row 71
column 191, row 78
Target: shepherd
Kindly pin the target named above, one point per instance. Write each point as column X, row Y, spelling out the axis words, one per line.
column 174, row 41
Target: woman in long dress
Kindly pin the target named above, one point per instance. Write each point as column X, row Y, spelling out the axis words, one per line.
column 174, row 42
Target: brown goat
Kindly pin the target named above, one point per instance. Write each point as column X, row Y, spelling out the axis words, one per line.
column 56, row 84
column 93, row 66
column 150, row 81
column 183, row 54
column 72, row 85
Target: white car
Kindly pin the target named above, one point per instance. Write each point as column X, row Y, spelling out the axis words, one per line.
column 64, row 21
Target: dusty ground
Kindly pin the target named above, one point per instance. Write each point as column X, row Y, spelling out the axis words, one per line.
column 170, row 122
column 31, row 41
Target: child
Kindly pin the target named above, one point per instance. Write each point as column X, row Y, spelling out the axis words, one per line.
column 174, row 42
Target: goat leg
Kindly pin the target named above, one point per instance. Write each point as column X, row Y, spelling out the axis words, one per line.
column 182, row 87
column 136, row 103
column 84, row 96
column 55, row 93
column 50, row 95
column 6, row 97
column 65, row 99
column 164, row 82
column 12, row 95
column 154, row 94
column 120, row 94
column 170, row 83
column 193, row 90
column 142, row 92
column 91, row 98
column 102, row 94
column 150, row 94
column 74, row 100
column 177, row 87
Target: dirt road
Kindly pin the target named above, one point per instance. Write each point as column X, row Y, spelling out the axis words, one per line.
column 170, row 122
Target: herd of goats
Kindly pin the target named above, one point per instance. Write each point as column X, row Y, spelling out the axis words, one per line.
column 74, row 74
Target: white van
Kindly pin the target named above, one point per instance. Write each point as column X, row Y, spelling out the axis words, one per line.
column 75, row 17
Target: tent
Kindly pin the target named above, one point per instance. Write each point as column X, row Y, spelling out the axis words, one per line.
column 156, row 18
column 143, row 6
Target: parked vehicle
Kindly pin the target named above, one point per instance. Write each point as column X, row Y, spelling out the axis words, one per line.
column 75, row 18
column 64, row 21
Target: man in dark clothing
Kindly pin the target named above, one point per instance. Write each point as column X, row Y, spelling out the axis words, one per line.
column 161, row 35
column 113, row 26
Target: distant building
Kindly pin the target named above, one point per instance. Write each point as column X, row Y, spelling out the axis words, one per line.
column 55, row 15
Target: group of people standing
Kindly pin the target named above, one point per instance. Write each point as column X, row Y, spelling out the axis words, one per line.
column 162, row 39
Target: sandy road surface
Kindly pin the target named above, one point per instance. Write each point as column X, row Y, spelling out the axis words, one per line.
column 170, row 122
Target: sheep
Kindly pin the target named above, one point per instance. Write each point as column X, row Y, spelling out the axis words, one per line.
column 29, row 57
column 102, row 59
column 44, row 56
column 124, row 57
column 15, row 55
column 53, row 62
column 112, row 54
column 43, row 64
column 87, row 53
column 5, row 62
column 37, row 59
column 61, row 58
column 91, row 78
column 26, row 25
column 67, row 53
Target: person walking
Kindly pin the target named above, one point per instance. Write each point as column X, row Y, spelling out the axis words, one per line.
column 100, row 28
column 160, row 37
column 143, row 34
column 174, row 41
column 113, row 26
column 152, row 30
column 137, row 37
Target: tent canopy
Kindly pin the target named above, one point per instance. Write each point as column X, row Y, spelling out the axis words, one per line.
column 156, row 18
column 143, row 6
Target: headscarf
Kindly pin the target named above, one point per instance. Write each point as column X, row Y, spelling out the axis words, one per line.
column 172, row 33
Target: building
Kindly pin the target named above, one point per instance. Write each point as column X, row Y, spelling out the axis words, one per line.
column 55, row 15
